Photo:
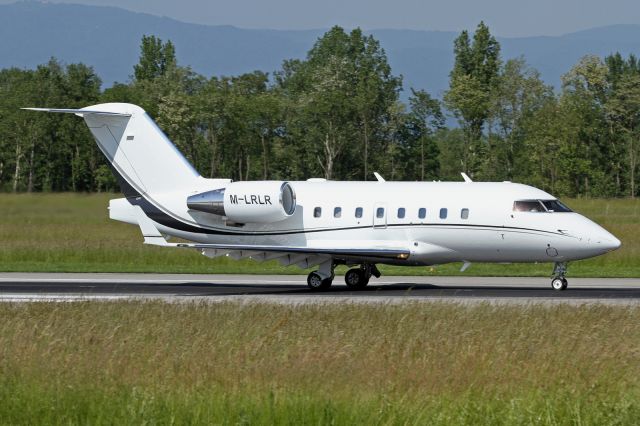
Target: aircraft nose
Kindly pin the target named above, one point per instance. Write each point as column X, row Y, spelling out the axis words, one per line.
column 611, row 243
column 608, row 241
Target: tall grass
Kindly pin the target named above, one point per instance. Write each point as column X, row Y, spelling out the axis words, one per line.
column 230, row 363
column 72, row 233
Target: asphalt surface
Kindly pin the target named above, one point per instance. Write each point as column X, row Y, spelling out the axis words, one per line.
column 23, row 287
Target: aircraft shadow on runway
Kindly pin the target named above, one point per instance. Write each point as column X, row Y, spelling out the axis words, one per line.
column 397, row 289
column 199, row 288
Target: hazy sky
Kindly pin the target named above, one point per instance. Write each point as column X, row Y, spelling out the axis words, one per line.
column 505, row 17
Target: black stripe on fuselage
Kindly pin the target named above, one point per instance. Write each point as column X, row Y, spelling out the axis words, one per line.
column 174, row 224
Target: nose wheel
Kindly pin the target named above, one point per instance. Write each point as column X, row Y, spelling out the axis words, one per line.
column 559, row 284
column 559, row 281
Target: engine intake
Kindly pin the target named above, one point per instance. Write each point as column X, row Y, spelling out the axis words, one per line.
column 248, row 202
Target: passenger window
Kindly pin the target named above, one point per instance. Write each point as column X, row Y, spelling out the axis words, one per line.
column 337, row 212
column 401, row 213
column 464, row 213
column 422, row 213
column 528, row 206
column 317, row 212
column 358, row 212
column 443, row 213
column 380, row 212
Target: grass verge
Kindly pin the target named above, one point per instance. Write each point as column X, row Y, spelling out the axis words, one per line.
column 135, row 362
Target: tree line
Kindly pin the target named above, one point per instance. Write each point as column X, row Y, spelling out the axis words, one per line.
column 338, row 114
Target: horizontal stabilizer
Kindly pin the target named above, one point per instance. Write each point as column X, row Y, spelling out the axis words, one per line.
column 79, row 112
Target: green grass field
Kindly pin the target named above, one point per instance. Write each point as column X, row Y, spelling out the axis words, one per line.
column 72, row 233
column 233, row 363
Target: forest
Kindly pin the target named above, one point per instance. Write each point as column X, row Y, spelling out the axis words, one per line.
column 339, row 114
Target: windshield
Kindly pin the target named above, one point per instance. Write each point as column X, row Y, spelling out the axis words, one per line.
column 556, row 206
column 528, row 206
column 540, row 206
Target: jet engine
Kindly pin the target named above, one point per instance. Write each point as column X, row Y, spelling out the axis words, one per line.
column 248, row 202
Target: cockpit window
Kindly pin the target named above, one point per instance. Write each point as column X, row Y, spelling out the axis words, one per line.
column 540, row 206
column 528, row 206
column 555, row 206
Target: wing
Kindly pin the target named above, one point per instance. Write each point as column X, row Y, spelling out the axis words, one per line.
column 373, row 253
column 304, row 257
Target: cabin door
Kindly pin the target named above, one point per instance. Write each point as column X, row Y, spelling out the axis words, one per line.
column 380, row 215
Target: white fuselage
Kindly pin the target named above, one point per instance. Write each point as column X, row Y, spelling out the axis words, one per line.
column 488, row 231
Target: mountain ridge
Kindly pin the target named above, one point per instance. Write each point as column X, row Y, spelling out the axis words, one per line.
column 108, row 39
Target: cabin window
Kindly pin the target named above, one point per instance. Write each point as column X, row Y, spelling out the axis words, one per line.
column 422, row 213
column 443, row 213
column 317, row 212
column 555, row 206
column 401, row 213
column 337, row 212
column 533, row 206
column 358, row 212
column 464, row 214
column 380, row 212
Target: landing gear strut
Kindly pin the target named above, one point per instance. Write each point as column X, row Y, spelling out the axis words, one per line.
column 559, row 282
column 358, row 278
column 323, row 277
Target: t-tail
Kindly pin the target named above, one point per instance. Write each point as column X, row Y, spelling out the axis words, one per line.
column 139, row 152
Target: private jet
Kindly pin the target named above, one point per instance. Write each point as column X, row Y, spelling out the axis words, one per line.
column 322, row 223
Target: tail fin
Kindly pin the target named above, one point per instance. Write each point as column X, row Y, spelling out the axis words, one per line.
column 136, row 148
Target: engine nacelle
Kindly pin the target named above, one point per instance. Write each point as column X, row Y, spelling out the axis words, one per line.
column 248, row 202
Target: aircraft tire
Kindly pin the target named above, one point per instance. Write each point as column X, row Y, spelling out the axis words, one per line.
column 316, row 283
column 356, row 278
column 559, row 284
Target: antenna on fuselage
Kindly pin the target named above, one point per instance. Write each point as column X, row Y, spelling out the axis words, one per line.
column 466, row 178
column 380, row 178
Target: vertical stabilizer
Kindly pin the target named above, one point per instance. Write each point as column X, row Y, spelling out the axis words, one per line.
column 136, row 148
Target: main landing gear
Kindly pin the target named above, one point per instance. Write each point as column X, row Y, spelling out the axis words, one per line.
column 559, row 282
column 316, row 282
column 355, row 278
column 358, row 278
column 323, row 277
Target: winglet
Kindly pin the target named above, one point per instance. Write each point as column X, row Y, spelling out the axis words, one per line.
column 78, row 112
column 380, row 178
column 466, row 178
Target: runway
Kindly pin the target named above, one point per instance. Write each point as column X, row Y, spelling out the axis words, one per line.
column 28, row 287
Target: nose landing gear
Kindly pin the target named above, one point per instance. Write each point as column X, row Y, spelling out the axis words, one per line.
column 559, row 282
